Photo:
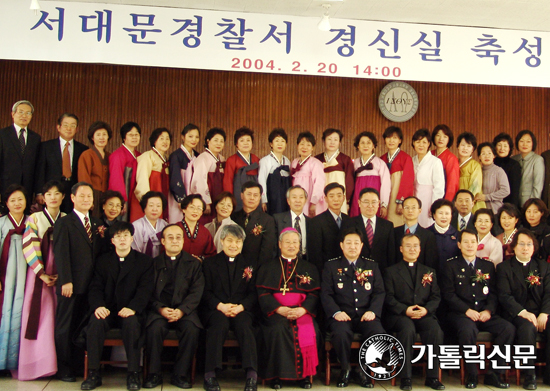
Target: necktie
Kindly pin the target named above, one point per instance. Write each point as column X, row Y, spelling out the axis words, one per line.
column 339, row 222
column 297, row 228
column 472, row 268
column 22, row 140
column 462, row 223
column 407, row 231
column 370, row 233
column 246, row 219
column 66, row 161
column 88, row 227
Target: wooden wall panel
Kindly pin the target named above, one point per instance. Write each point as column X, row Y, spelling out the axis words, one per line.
column 166, row 97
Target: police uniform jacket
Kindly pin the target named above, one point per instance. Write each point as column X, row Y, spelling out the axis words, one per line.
column 461, row 292
column 341, row 290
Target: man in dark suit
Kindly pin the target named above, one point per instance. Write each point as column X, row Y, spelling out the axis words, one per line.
column 412, row 207
column 229, row 301
column 412, row 298
column 58, row 159
column 119, row 293
column 352, row 294
column 326, row 227
column 378, row 236
column 75, row 249
column 464, row 203
column 296, row 197
column 260, row 245
column 523, row 283
column 468, row 286
column 19, row 147
column 179, row 284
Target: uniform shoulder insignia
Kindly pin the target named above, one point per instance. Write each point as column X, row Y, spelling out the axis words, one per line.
column 368, row 259
column 450, row 259
column 333, row 259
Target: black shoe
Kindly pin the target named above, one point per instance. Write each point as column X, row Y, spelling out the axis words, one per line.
column 180, row 381
column 493, row 379
column 92, row 382
column 363, row 379
column 276, row 384
column 304, row 383
column 153, row 380
column 344, row 378
column 530, row 382
column 251, row 384
column 471, row 382
column 406, row 384
column 434, row 383
column 132, row 381
column 211, row 384
column 68, row 377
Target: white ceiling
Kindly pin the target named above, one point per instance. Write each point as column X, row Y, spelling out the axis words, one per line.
column 506, row 14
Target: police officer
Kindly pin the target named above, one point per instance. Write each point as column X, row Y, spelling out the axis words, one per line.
column 352, row 294
column 468, row 285
column 412, row 297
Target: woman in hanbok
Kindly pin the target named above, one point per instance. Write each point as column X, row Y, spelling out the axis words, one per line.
column 37, row 357
column 224, row 205
column 274, row 174
column 242, row 166
column 208, row 171
column 495, row 181
column 152, row 169
column 509, row 218
column 338, row 166
column 471, row 174
column 112, row 203
column 123, row 167
column 429, row 177
column 309, row 173
column 370, row 171
column 197, row 240
column 401, row 173
column 443, row 138
column 504, row 146
column 148, row 229
column 93, row 165
column 180, row 161
column 532, row 166
column 488, row 247
column 13, row 275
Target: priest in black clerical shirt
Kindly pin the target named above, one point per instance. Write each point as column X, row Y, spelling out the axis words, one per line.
column 288, row 294
column 228, row 302
column 119, row 293
column 178, row 287
column 412, row 297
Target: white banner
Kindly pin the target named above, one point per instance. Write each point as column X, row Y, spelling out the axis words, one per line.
column 229, row 41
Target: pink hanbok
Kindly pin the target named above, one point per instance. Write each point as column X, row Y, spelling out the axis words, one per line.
column 310, row 174
column 372, row 173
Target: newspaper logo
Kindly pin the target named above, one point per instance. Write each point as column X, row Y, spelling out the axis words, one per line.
column 382, row 357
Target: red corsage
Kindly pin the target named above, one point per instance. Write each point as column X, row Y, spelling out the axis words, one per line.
column 101, row 230
column 480, row 277
column 257, row 230
column 247, row 273
column 533, row 279
column 427, row 279
column 305, row 279
column 480, row 247
column 362, row 275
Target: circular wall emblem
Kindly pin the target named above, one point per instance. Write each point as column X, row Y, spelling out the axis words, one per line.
column 398, row 101
column 381, row 357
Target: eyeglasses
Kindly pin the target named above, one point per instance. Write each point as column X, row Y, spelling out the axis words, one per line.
column 196, row 208
column 525, row 244
column 367, row 203
column 24, row 113
column 69, row 126
column 409, row 246
column 122, row 236
column 114, row 206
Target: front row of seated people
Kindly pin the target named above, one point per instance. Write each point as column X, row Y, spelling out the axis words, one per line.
column 229, row 292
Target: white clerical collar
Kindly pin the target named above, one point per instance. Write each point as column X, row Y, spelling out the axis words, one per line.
column 523, row 263
column 287, row 259
column 121, row 259
column 231, row 259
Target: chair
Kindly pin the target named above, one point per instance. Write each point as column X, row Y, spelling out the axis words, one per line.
column 540, row 345
column 113, row 337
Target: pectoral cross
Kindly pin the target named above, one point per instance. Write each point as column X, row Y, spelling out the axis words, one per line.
column 284, row 289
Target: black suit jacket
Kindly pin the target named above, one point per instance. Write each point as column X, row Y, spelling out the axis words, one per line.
column 513, row 290
column 284, row 220
column 259, row 247
column 461, row 293
column 402, row 292
column 50, row 167
column 74, row 252
column 340, row 290
column 220, row 288
column 326, row 238
column 189, row 284
column 114, row 287
column 469, row 224
column 16, row 167
column 428, row 246
column 383, row 244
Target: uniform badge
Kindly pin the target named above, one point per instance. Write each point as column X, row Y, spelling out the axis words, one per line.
column 485, row 290
column 367, row 286
column 340, row 285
